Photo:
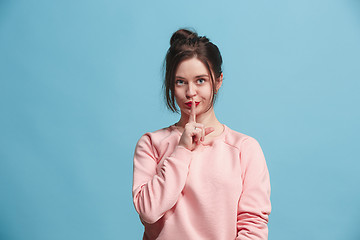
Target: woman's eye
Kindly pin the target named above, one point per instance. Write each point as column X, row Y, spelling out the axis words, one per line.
column 179, row 82
column 201, row 81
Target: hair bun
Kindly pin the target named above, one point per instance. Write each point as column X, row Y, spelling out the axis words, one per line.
column 182, row 34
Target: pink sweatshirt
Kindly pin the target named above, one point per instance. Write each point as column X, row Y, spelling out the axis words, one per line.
column 218, row 191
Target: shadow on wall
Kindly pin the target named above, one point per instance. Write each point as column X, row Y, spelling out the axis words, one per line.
column 355, row 6
column 4, row 9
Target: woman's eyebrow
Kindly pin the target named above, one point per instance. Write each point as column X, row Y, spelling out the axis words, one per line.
column 204, row 75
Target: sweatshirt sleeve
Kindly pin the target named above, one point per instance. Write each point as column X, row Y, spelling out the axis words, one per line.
column 254, row 205
column 157, row 189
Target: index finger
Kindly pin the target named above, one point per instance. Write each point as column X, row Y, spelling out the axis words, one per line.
column 192, row 117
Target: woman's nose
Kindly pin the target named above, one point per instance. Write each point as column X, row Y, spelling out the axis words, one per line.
column 191, row 91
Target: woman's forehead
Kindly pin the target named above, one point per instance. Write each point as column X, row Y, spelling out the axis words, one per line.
column 191, row 68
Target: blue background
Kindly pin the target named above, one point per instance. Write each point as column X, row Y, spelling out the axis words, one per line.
column 81, row 82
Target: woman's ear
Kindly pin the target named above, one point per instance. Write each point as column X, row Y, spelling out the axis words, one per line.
column 219, row 82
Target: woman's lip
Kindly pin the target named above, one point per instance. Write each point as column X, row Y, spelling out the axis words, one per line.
column 189, row 104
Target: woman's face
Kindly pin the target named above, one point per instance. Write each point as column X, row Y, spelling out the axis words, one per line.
column 193, row 82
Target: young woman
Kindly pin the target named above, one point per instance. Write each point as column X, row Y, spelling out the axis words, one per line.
column 199, row 179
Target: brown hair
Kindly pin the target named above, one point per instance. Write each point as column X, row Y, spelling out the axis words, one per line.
column 186, row 44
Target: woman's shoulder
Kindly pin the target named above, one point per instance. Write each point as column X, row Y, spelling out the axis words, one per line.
column 159, row 135
column 238, row 139
column 165, row 131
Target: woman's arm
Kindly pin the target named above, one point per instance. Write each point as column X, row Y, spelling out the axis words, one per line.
column 155, row 192
column 254, row 205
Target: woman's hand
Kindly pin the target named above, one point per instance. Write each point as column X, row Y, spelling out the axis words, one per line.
column 194, row 132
